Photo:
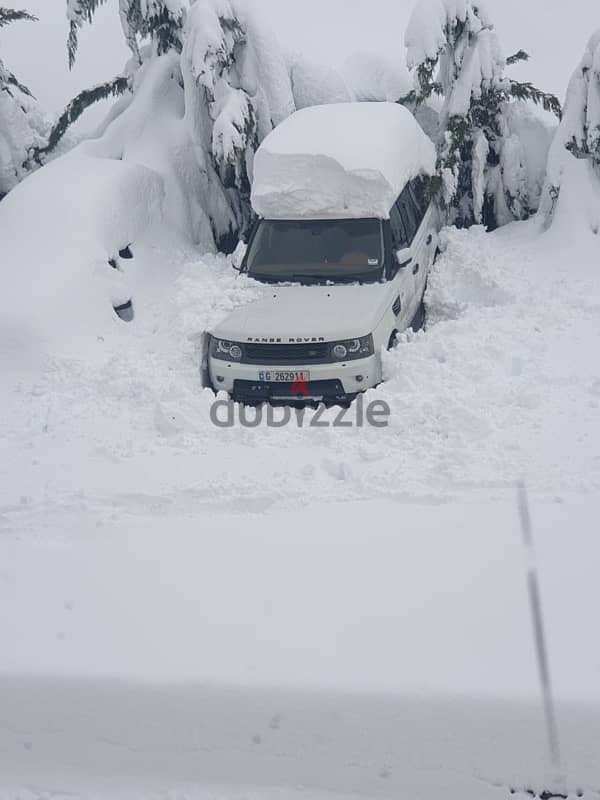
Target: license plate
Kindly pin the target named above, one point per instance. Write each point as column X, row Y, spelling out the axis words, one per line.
column 283, row 376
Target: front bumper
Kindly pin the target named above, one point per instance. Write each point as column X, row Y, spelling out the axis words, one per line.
column 331, row 382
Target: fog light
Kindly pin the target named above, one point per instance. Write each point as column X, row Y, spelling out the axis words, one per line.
column 220, row 378
column 359, row 378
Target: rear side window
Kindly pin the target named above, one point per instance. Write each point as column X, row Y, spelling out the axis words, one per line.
column 409, row 215
column 417, row 190
column 411, row 212
column 400, row 238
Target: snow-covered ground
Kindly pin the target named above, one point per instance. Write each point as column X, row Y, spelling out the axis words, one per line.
column 150, row 560
column 501, row 386
column 375, row 649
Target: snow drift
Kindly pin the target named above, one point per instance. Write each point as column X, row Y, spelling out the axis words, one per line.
column 59, row 289
column 339, row 161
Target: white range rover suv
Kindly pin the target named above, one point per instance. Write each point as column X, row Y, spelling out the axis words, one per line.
column 342, row 249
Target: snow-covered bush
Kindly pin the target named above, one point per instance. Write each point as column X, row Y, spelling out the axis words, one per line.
column 22, row 125
column 578, row 135
column 482, row 163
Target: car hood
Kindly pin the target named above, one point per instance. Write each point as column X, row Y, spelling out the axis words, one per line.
column 292, row 313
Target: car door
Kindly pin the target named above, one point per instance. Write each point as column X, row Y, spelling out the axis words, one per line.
column 411, row 222
column 403, row 280
column 426, row 238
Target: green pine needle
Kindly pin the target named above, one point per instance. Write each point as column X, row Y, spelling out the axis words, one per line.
column 521, row 55
column 8, row 15
column 77, row 106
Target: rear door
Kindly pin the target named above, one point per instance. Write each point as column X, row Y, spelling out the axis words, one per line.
column 404, row 285
column 425, row 239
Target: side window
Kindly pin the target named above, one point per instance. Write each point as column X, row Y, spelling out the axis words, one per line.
column 408, row 213
column 399, row 237
column 417, row 189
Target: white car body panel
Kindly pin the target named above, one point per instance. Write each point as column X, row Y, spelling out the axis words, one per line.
column 324, row 312
column 294, row 313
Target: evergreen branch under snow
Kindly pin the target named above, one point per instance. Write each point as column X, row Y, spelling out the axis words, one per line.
column 8, row 15
column 514, row 59
column 526, row 91
column 7, row 79
column 77, row 106
column 79, row 12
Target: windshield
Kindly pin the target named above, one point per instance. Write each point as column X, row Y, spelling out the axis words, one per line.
column 317, row 251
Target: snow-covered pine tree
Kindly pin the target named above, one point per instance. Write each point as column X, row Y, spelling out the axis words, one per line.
column 163, row 20
column 222, row 116
column 578, row 135
column 22, row 126
column 225, row 79
column 233, row 77
column 160, row 21
column 455, row 53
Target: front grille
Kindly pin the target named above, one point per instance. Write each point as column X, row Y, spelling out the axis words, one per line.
column 305, row 353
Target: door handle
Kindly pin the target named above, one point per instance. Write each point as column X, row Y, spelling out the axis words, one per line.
column 397, row 307
column 429, row 239
column 416, row 269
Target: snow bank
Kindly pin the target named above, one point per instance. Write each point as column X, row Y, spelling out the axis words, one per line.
column 316, row 84
column 576, row 215
column 341, row 160
column 373, row 77
column 58, row 288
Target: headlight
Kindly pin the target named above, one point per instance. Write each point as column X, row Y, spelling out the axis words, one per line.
column 352, row 349
column 226, row 351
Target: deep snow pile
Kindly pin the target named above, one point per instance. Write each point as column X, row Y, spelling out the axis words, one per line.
column 339, row 160
column 374, row 77
column 314, row 84
column 500, row 386
column 59, row 287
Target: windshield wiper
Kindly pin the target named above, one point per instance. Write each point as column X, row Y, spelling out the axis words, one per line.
column 312, row 279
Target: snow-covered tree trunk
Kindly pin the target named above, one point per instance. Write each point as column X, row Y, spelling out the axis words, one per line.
column 455, row 52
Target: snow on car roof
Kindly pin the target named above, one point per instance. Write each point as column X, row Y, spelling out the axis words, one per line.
column 345, row 160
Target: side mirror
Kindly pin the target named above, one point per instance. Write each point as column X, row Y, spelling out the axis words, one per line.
column 238, row 255
column 404, row 257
